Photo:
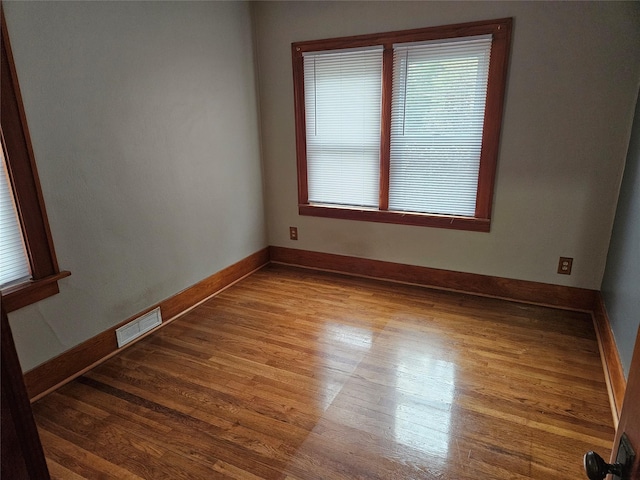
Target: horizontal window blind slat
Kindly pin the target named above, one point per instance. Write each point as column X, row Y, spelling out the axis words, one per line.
column 12, row 246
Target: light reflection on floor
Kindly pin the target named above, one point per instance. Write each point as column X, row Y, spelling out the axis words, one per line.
column 355, row 337
column 406, row 408
column 423, row 417
column 335, row 373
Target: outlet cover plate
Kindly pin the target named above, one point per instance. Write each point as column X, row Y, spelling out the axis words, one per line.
column 564, row 265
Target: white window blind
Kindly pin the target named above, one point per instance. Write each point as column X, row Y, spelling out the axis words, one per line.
column 14, row 263
column 438, row 102
column 343, row 91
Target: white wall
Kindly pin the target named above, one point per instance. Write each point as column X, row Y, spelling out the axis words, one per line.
column 143, row 117
column 574, row 74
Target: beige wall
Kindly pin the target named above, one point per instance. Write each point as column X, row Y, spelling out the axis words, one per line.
column 144, row 123
column 574, row 73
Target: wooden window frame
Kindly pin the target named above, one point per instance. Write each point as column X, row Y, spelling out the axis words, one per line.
column 501, row 31
column 23, row 174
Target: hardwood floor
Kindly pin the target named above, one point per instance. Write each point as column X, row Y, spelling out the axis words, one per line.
column 297, row 374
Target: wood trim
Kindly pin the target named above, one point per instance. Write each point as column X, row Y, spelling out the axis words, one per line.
column 496, row 87
column 301, row 124
column 629, row 423
column 67, row 366
column 611, row 364
column 557, row 296
column 22, row 168
column 404, row 36
column 385, row 126
column 500, row 29
column 23, row 175
column 25, row 294
column 22, row 454
column 400, row 218
column 72, row 363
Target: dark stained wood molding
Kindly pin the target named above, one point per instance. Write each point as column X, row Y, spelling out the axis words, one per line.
column 22, row 454
column 72, row 363
column 234, row 387
column 25, row 182
column 629, row 422
column 385, row 126
column 25, row 294
column 557, row 296
column 301, row 128
column 500, row 29
column 498, row 69
column 22, row 168
column 613, row 371
column 399, row 218
column 469, row 29
column 83, row 357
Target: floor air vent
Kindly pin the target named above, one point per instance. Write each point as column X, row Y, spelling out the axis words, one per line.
column 137, row 327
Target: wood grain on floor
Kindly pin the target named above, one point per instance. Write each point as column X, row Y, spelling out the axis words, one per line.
column 298, row 374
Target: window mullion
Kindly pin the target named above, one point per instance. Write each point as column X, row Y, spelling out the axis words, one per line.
column 301, row 142
column 385, row 125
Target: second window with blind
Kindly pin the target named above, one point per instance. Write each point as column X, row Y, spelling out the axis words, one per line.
column 402, row 127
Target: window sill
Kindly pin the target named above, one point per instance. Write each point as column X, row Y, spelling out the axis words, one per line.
column 19, row 296
column 401, row 218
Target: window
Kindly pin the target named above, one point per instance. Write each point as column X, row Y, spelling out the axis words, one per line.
column 401, row 127
column 342, row 100
column 29, row 267
column 14, row 262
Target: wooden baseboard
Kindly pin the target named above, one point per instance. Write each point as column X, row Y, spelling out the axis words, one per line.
column 65, row 367
column 557, row 296
column 613, row 372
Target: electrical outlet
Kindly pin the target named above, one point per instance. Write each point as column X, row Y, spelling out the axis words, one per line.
column 564, row 265
column 293, row 233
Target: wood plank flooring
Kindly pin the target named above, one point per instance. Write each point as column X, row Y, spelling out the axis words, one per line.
column 297, row 374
